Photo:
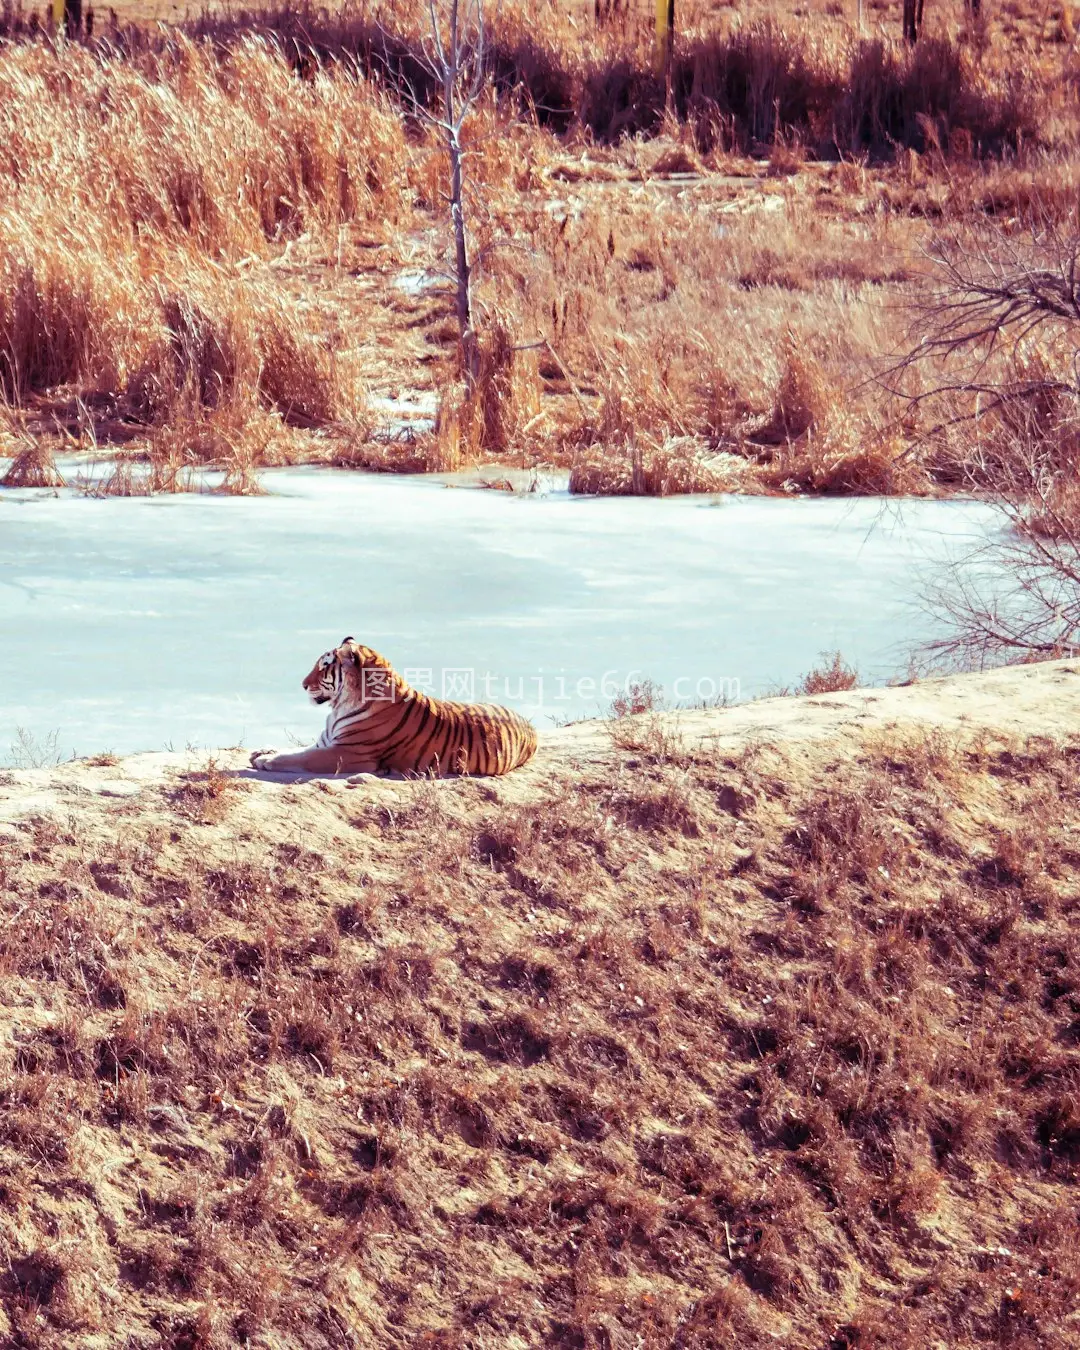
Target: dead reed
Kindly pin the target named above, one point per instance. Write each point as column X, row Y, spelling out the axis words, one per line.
column 189, row 171
column 749, row 88
column 222, row 171
column 33, row 467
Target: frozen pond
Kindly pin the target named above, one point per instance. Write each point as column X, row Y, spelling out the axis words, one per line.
column 141, row 623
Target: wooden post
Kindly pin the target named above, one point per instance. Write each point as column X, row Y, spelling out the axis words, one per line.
column 665, row 31
column 67, row 14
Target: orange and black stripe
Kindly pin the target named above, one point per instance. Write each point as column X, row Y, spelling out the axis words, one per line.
column 379, row 722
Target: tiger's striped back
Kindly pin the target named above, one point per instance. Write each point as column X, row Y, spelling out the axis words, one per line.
column 380, row 724
column 470, row 738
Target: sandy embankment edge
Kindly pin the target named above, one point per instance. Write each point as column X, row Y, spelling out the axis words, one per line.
column 1011, row 702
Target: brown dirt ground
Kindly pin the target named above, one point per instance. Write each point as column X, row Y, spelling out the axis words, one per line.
column 748, row 1027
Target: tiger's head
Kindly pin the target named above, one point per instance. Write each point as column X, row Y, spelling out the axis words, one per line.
column 354, row 672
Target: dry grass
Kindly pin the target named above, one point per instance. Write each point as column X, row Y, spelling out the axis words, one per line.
column 33, row 467
column 255, row 183
column 638, row 696
column 205, row 795
column 190, row 172
column 832, row 677
column 652, row 469
column 780, row 396
column 755, row 86
column 700, row 1050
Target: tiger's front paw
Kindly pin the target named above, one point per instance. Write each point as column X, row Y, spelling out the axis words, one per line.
column 262, row 759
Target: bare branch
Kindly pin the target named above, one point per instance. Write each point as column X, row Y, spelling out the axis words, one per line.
column 1003, row 315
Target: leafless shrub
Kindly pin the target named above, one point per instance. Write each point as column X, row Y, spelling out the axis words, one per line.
column 1002, row 314
column 639, row 696
column 28, row 752
column 834, row 676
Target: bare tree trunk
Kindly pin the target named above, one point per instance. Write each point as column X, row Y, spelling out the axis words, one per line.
column 669, row 53
column 912, row 20
column 462, row 268
column 455, row 55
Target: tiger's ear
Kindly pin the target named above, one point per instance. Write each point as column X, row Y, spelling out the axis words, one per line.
column 345, row 641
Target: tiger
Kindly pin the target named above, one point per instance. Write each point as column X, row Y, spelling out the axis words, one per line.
column 379, row 724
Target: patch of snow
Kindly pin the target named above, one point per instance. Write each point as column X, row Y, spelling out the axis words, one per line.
column 404, row 416
column 507, row 478
column 417, row 283
column 419, row 405
column 751, row 203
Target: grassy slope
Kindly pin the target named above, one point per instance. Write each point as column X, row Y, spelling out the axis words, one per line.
column 692, row 1047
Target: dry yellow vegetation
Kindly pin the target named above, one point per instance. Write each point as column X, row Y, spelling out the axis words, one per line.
column 221, row 243
column 675, row 1038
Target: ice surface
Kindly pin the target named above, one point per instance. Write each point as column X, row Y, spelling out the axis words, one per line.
column 142, row 623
